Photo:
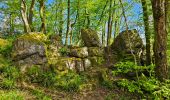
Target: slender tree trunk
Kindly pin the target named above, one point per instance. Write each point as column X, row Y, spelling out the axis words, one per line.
column 147, row 32
column 109, row 33
column 11, row 24
column 42, row 16
column 127, row 28
column 103, row 33
column 87, row 18
column 160, row 44
column 24, row 16
column 168, row 16
column 30, row 18
column 68, row 22
column 101, row 16
column 61, row 22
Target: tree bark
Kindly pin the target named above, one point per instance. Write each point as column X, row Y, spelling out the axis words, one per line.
column 109, row 34
column 42, row 16
column 61, row 22
column 68, row 22
column 24, row 16
column 160, row 44
column 30, row 18
column 147, row 31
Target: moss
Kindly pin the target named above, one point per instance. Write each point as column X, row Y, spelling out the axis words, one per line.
column 3, row 42
column 34, row 37
column 96, row 61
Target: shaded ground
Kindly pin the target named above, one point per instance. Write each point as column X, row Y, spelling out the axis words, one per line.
column 35, row 92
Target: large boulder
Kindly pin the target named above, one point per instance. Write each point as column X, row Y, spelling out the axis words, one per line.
column 28, row 50
column 90, row 38
column 126, row 44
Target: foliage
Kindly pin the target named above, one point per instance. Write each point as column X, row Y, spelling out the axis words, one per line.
column 142, row 85
column 40, row 95
column 35, row 74
column 5, row 47
column 64, row 51
column 11, row 95
column 68, row 80
column 10, row 75
column 126, row 67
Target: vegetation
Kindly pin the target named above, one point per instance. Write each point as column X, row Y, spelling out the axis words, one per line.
column 84, row 49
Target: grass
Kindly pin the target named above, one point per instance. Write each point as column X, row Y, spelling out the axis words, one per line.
column 11, row 95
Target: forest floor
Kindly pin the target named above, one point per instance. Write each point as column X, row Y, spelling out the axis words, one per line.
column 36, row 92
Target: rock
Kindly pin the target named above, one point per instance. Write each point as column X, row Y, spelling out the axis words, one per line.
column 79, row 65
column 123, row 45
column 95, row 51
column 72, row 63
column 79, row 52
column 54, row 47
column 96, row 61
column 87, row 63
column 29, row 49
column 65, row 62
column 90, row 38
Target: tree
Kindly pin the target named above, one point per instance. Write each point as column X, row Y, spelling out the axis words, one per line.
column 30, row 18
column 68, row 22
column 160, row 44
column 147, row 31
column 109, row 34
column 24, row 16
column 42, row 16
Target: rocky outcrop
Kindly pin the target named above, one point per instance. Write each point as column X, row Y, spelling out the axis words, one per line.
column 90, row 38
column 126, row 44
column 28, row 50
column 72, row 63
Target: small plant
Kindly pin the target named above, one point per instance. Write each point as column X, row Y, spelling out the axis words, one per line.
column 69, row 81
column 7, row 83
column 36, row 74
column 11, row 95
column 10, row 74
column 40, row 95
column 64, row 51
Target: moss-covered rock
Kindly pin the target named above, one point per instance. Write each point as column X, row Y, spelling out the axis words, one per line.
column 54, row 47
column 95, row 51
column 127, row 43
column 96, row 61
column 90, row 38
column 29, row 49
column 79, row 52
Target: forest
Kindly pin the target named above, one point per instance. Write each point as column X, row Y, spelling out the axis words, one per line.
column 84, row 49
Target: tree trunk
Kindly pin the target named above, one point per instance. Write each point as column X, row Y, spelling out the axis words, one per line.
column 61, row 22
column 68, row 22
column 103, row 33
column 42, row 16
column 109, row 34
column 11, row 24
column 31, row 15
column 147, row 32
column 160, row 44
column 127, row 28
column 24, row 16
